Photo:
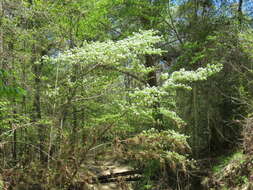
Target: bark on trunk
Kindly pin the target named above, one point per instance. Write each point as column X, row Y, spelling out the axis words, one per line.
column 152, row 79
column 153, row 82
column 37, row 116
column 37, row 108
column 240, row 3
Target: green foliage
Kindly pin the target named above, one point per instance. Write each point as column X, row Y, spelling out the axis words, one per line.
column 80, row 78
column 168, row 147
column 9, row 91
column 142, row 101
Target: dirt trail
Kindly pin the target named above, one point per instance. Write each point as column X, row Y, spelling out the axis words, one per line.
column 107, row 168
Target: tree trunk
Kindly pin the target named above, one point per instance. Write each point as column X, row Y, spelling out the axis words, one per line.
column 152, row 79
column 37, row 107
column 74, row 126
column 152, row 82
column 196, row 126
column 1, row 30
column 37, row 69
column 240, row 3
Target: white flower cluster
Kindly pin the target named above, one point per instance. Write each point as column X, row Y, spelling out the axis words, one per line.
column 125, row 55
column 181, row 78
column 113, row 53
column 198, row 75
column 142, row 101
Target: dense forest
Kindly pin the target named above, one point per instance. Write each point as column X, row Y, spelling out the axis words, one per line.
column 126, row 94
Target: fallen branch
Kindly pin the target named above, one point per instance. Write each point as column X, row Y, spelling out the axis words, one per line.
column 129, row 175
column 134, row 175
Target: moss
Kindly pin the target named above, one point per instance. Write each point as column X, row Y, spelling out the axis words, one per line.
column 245, row 179
column 225, row 160
column 231, row 172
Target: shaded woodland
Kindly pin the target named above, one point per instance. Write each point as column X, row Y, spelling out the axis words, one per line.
column 139, row 94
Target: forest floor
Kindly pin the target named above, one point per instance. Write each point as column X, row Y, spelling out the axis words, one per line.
column 234, row 172
column 107, row 167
